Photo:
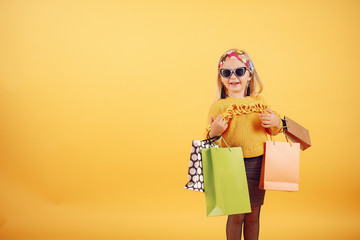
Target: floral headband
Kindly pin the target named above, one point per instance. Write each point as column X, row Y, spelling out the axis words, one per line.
column 240, row 55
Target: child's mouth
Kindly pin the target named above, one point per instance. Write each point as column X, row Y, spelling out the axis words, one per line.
column 234, row 83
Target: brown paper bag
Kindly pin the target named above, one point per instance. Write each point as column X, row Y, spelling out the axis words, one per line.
column 280, row 168
column 297, row 133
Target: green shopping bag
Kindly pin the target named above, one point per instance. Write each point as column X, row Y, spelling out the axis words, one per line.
column 225, row 182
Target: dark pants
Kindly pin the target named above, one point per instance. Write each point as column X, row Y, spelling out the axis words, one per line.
column 253, row 172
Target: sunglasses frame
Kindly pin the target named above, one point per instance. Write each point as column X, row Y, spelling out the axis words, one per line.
column 232, row 71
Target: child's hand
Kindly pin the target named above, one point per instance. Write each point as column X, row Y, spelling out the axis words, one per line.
column 269, row 120
column 218, row 126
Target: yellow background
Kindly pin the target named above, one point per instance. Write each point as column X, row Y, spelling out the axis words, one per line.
column 100, row 101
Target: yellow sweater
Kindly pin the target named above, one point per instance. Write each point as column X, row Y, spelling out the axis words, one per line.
column 244, row 126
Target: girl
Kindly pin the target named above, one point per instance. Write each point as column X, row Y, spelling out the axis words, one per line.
column 241, row 116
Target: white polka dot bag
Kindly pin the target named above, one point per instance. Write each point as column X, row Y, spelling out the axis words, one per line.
column 195, row 172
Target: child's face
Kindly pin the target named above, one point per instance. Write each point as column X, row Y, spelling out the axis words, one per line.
column 235, row 86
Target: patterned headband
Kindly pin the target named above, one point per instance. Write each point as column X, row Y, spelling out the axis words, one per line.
column 240, row 55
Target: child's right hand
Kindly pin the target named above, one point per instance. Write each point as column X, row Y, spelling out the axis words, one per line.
column 218, row 126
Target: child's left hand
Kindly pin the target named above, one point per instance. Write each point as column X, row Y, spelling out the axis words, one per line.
column 269, row 120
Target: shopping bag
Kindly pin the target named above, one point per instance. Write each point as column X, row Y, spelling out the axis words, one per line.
column 195, row 171
column 226, row 189
column 280, row 168
column 297, row 133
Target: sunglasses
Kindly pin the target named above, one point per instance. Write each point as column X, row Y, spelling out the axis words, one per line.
column 239, row 72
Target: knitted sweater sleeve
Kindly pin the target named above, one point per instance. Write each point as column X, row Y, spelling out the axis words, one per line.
column 214, row 110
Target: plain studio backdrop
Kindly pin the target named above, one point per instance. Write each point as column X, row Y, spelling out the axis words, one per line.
column 100, row 101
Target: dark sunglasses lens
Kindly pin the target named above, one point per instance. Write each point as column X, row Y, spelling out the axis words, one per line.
column 240, row 72
column 225, row 73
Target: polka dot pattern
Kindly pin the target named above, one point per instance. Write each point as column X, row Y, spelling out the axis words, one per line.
column 195, row 173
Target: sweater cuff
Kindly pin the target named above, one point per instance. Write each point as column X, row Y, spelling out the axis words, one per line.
column 275, row 130
column 207, row 135
column 207, row 131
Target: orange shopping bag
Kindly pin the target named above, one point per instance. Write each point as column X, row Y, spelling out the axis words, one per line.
column 280, row 168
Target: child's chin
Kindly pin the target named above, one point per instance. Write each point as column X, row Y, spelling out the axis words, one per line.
column 235, row 88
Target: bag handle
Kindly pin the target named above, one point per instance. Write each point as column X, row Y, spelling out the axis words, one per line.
column 212, row 140
column 224, row 142
column 274, row 141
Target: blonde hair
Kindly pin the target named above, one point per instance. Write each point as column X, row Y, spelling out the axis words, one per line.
column 256, row 85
